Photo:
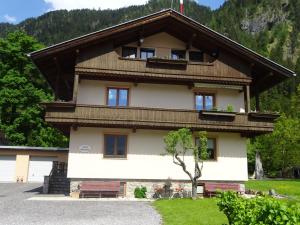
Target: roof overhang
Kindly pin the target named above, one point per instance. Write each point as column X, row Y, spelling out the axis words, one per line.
column 62, row 56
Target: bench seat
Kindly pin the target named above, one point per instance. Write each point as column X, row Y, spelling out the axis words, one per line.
column 210, row 188
column 99, row 188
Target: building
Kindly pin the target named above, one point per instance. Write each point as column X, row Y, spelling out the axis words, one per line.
column 28, row 164
column 120, row 90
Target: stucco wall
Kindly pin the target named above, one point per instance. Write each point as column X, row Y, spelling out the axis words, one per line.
column 22, row 164
column 162, row 43
column 157, row 95
column 145, row 159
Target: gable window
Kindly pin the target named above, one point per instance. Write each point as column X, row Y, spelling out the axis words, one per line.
column 147, row 53
column 204, row 101
column 196, row 56
column 117, row 96
column 129, row 52
column 178, row 54
column 211, row 148
column 115, row 145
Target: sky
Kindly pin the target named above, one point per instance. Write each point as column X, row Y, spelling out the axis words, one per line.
column 15, row 11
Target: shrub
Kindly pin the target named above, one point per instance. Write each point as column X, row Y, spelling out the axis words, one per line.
column 259, row 210
column 229, row 108
column 140, row 192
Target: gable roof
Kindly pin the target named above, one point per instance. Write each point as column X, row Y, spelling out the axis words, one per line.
column 166, row 19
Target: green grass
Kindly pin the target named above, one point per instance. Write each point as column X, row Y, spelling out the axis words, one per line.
column 206, row 212
column 190, row 212
column 290, row 188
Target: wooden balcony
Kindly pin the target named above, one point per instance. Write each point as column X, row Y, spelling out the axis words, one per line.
column 152, row 118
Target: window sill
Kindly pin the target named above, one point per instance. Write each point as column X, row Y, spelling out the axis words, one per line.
column 114, row 157
column 185, row 61
column 132, row 59
column 200, row 63
column 210, row 160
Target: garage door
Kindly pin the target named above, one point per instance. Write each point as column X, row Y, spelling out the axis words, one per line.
column 7, row 168
column 39, row 167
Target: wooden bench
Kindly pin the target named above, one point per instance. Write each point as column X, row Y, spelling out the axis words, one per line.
column 210, row 188
column 99, row 189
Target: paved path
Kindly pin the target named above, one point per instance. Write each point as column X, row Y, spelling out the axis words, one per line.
column 15, row 209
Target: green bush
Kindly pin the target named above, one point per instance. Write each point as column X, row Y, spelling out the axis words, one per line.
column 230, row 108
column 140, row 192
column 257, row 211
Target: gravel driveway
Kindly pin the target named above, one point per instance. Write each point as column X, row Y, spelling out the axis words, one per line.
column 16, row 209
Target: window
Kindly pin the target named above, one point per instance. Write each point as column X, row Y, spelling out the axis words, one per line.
column 115, row 145
column 196, row 56
column 178, row 54
column 129, row 52
column 211, row 148
column 147, row 53
column 117, row 96
column 204, row 101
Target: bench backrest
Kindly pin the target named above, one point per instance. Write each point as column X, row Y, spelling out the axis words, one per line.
column 100, row 186
column 212, row 187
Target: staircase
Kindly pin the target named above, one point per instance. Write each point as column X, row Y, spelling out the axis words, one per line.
column 58, row 181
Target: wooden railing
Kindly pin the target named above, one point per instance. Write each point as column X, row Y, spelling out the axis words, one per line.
column 153, row 118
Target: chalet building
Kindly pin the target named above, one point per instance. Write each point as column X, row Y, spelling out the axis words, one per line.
column 120, row 90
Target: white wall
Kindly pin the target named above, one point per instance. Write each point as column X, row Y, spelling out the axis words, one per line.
column 156, row 95
column 145, row 159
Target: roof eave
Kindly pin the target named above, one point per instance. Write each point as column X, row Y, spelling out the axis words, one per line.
column 167, row 12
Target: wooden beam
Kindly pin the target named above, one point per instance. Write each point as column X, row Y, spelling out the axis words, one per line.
column 75, row 88
column 57, row 78
column 247, row 98
column 257, row 102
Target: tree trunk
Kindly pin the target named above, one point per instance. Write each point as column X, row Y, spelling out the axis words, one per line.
column 194, row 190
column 259, row 171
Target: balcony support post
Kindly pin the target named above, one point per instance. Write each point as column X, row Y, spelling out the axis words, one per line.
column 247, row 98
column 75, row 88
column 57, row 79
column 257, row 102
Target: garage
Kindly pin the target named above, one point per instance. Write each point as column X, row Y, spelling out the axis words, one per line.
column 7, row 168
column 39, row 167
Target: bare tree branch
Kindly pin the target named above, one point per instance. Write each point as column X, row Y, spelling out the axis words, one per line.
column 182, row 164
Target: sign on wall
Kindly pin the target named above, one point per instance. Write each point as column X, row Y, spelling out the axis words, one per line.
column 85, row 148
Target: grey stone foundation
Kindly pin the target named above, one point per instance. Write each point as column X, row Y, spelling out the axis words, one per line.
column 128, row 187
column 152, row 186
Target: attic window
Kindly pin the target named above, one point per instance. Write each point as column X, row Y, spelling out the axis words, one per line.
column 178, row 54
column 129, row 52
column 196, row 56
column 147, row 53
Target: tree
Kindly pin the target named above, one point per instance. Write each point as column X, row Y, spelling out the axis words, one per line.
column 22, row 89
column 280, row 150
column 178, row 144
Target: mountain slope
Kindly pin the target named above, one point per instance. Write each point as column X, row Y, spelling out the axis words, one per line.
column 61, row 25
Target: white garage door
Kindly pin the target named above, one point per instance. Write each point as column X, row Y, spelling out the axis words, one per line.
column 39, row 167
column 7, row 168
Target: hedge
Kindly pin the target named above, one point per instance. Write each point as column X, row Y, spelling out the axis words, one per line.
column 258, row 210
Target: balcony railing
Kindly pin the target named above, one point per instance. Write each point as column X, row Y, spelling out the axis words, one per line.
column 153, row 118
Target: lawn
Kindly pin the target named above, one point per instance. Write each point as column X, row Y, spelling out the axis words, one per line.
column 206, row 212
column 190, row 212
column 285, row 187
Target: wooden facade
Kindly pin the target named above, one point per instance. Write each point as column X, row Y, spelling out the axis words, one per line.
column 106, row 63
column 97, row 57
column 155, row 118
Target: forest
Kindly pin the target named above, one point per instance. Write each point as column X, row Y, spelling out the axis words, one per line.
column 268, row 27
